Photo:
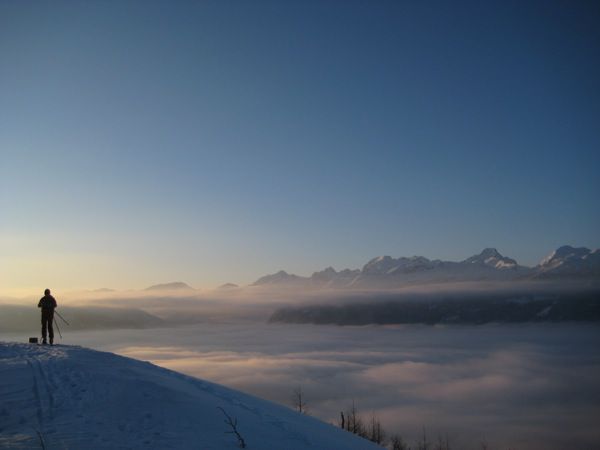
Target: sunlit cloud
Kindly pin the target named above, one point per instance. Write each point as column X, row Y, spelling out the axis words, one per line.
column 510, row 388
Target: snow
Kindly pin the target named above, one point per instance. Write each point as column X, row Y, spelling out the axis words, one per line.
column 80, row 398
column 563, row 254
column 502, row 264
column 545, row 261
column 571, row 261
column 492, row 258
column 385, row 271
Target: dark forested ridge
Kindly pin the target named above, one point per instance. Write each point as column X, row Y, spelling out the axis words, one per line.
column 467, row 309
column 17, row 318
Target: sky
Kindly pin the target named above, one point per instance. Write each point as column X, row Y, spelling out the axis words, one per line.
column 217, row 141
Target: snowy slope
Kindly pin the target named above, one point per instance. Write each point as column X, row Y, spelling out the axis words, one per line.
column 78, row 398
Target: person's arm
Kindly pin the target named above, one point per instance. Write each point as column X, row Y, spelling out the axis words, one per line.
column 40, row 303
column 54, row 305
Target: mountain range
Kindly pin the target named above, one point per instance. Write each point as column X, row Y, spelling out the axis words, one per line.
column 385, row 271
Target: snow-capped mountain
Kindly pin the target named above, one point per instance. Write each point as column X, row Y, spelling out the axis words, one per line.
column 491, row 258
column 386, row 265
column 569, row 261
column 489, row 265
column 76, row 398
column 386, row 271
column 330, row 278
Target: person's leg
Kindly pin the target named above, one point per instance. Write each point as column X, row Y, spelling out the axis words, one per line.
column 51, row 327
column 43, row 328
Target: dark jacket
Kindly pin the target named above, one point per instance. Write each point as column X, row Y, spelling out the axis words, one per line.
column 47, row 302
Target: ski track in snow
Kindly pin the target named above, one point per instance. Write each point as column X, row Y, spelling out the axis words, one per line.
column 75, row 398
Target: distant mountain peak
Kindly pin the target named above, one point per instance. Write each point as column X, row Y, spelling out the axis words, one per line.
column 328, row 271
column 281, row 277
column 570, row 262
column 385, row 271
column 380, row 265
column 381, row 258
column 174, row 286
column 491, row 257
column 563, row 253
column 490, row 252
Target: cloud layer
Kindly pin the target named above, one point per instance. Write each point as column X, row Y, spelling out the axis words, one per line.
column 523, row 387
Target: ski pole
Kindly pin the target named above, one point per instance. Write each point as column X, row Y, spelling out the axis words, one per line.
column 62, row 318
column 57, row 328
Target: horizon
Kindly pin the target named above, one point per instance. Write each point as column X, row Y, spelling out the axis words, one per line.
column 26, row 292
column 217, row 142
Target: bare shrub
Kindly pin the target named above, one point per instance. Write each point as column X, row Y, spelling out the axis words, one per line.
column 397, row 443
column 299, row 402
column 232, row 422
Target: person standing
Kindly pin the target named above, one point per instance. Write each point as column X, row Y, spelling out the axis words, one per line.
column 47, row 303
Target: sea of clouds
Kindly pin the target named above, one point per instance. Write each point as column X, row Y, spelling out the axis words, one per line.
column 522, row 386
column 527, row 386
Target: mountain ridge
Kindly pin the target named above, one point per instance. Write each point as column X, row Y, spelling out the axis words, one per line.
column 488, row 265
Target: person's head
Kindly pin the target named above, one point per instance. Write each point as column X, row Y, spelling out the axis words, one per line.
column 47, row 292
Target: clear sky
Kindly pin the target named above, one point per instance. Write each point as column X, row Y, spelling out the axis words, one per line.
column 144, row 142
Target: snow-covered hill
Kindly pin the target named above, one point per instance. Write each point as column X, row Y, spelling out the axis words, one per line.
column 76, row 398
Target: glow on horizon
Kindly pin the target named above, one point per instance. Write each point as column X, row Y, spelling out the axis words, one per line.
column 212, row 143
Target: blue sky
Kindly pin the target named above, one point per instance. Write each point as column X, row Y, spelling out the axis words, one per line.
column 143, row 142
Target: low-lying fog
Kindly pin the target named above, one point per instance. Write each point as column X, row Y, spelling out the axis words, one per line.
column 521, row 386
column 527, row 386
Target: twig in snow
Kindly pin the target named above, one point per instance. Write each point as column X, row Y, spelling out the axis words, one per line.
column 232, row 422
column 42, row 443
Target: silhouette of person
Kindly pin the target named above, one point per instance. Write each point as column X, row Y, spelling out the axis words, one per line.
column 47, row 303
